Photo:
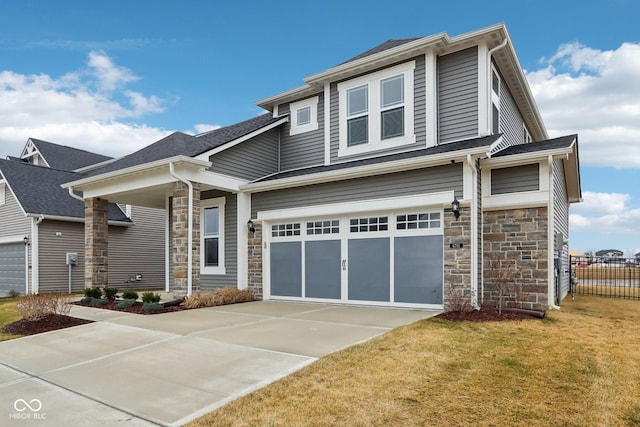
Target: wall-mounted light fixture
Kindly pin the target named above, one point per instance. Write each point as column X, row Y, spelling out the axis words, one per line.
column 455, row 207
column 26, row 240
column 251, row 227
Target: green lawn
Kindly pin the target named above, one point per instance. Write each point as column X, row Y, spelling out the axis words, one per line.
column 8, row 314
column 577, row 367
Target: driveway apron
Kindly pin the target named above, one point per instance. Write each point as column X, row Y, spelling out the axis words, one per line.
column 167, row 369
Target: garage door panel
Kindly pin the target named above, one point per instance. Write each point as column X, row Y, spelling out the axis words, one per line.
column 322, row 269
column 286, row 269
column 12, row 274
column 418, row 276
column 369, row 269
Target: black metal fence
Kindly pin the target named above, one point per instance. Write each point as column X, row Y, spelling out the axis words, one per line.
column 605, row 276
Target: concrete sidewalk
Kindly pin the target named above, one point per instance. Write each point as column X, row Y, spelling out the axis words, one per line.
column 167, row 369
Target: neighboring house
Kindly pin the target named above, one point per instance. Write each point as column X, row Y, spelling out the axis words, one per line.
column 397, row 178
column 610, row 253
column 42, row 222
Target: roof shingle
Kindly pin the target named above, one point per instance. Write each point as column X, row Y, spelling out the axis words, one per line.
column 67, row 158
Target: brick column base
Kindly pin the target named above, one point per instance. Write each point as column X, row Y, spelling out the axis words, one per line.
column 96, row 235
column 255, row 262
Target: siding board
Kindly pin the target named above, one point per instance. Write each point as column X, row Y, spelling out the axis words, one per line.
column 561, row 222
column 250, row 159
column 230, row 278
column 511, row 123
column 304, row 149
column 515, row 179
column 14, row 223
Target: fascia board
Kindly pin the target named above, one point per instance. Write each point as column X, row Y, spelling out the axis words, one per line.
column 96, row 166
column 295, row 93
column 362, row 171
column 76, row 219
column 78, row 184
column 518, row 159
column 205, row 156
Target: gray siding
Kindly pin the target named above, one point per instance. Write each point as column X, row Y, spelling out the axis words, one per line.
column 54, row 272
column 419, row 99
column 250, row 159
column 515, row 179
column 230, row 279
column 14, row 223
column 511, row 123
column 458, row 95
column 440, row 178
column 304, row 149
column 561, row 222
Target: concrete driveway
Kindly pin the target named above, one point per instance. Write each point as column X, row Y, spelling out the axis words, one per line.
column 168, row 369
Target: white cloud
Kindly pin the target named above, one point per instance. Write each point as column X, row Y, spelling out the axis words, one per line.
column 202, row 128
column 605, row 213
column 87, row 108
column 596, row 94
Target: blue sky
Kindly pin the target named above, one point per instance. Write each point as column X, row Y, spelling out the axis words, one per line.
column 114, row 76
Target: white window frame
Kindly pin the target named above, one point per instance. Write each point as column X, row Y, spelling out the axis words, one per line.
column 220, row 204
column 526, row 135
column 294, row 107
column 3, row 192
column 495, row 97
column 373, row 83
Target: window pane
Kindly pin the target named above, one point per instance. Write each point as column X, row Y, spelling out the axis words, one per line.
column 496, row 120
column 393, row 123
column 392, row 91
column 211, row 221
column 304, row 116
column 357, row 100
column 211, row 252
column 358, row 131
column 495, row 83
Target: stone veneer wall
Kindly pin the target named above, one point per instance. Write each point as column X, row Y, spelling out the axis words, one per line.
column 96, row 234
column 180, row 246
column 255, row 262
column 458, row 289
column 517, row 236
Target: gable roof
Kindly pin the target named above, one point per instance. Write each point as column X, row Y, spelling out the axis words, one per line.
column 39, row 192
column 66, row 158
column 389, row 44
column 533, row 147
column 182, row 144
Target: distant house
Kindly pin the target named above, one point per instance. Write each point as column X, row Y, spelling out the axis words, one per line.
column 610, row 253
column 42, row 223
column 395, row 178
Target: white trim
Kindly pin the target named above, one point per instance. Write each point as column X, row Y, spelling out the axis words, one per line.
column 551, row 286
column 431, row 98
column 35, row 257
column 12, row 239
column 372, row 82
column 3, row 192
column 167, row 245
column 484, row 98
column 75, row 219
column 327, row 124
column 526, row 199
column 243, row 203
column 220, row 203
column 205, row 156
column 294, row 107
column 495, row 99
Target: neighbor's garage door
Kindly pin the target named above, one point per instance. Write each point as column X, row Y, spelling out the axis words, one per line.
column 390, row 259
column 12, row 268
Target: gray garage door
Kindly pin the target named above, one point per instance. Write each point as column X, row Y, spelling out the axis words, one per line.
column 12, row 268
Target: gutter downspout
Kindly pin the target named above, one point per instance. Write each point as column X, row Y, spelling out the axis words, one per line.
column 74, row 195
column 35, row 262
column 474, row 232
column 551, row 243
column 489, row 82
column 172, row 171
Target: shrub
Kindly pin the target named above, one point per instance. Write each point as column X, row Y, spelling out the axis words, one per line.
column 13, row 293
column 126, row 303
column 152, row 306
column 150, row 297
column 110, row 293
column 94, row 292
column 35, row 307
column 130, row 295
column 218, row 297
column 86, row 300
column 98, row 302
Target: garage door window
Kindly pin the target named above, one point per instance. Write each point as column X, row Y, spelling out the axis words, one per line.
column 364, row 225
column 285, row 230
column 323, row 227
column 415, row 221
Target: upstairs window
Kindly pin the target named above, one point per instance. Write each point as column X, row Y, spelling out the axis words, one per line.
column 303, row 116
column 495, row 101
column 376, row 110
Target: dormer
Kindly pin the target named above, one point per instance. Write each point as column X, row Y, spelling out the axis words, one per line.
column 32, row 155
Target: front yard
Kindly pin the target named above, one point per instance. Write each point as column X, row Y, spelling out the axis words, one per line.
column 577, row 367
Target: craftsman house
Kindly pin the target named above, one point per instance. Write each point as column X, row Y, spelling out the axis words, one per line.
column 42, row 233
column 406, row 176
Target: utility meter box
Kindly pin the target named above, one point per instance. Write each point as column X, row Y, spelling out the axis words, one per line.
column 72, row 258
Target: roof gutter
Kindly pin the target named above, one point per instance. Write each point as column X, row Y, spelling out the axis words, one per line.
column 75, row 219
column 173, row 173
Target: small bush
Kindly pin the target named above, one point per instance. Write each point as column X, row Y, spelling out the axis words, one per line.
column 218, row 297
column 126, row 303
column 110, row 293
column 94, row 292
column 130, row 295
column 35, row 307
column 152, row 306
column 99, row 302
column 150, row 297
column 86, row 300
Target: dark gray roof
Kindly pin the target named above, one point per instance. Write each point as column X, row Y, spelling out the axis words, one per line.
column 39, row 191
column 179, row 143
column 549, row 144
column 389, row 44
column 485, row 141
column 606, row 252
column 66, row 158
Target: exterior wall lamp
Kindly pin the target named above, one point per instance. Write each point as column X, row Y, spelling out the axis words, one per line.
column 26, row 240
column 252, row 229
column 455, row 207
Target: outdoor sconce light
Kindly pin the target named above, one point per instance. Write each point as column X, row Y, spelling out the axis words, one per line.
column 455, row 206
column 251, row 227
column 26, row 240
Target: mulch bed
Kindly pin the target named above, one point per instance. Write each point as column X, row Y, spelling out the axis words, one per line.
column 48, row 323
column 484, row 316
column 136, row 308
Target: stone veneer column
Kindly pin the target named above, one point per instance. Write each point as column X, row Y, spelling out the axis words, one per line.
column 518, row 236
column 180, row 243
column 458, row 288
column 96, row 236
column 255, row 262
